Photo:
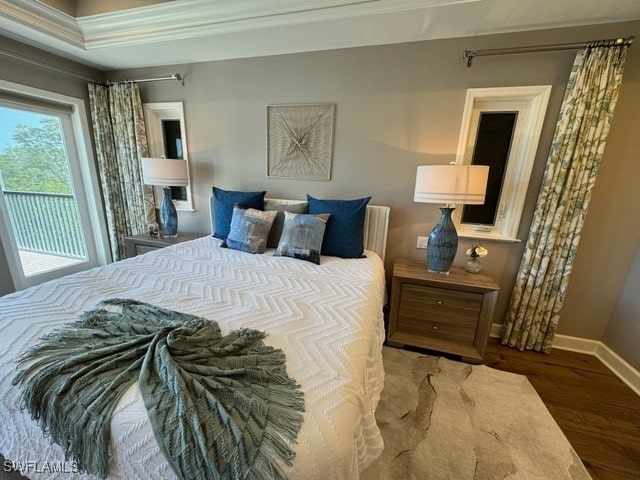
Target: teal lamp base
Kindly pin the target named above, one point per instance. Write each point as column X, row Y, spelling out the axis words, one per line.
column 168, row 214
column 442, row 244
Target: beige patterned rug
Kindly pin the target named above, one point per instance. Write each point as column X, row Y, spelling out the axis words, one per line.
column 444, row 420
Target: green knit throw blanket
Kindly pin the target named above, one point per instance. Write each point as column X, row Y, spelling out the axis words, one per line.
column 220, row 407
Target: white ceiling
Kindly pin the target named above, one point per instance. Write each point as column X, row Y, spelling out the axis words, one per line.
column 185, row 31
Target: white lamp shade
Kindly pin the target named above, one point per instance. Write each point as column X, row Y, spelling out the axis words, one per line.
column 164, row 171
column 461, row 184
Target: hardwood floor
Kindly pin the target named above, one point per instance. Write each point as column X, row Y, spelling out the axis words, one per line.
column 597, row 412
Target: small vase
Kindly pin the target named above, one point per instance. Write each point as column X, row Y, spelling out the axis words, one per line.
column 473, row 266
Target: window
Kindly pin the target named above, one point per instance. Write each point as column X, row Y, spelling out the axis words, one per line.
column 166, row 136
column 51, row 221
column 500, row 128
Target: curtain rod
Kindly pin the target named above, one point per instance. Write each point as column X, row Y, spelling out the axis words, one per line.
column 17, row 56
column 175, row 76
column 612, row 42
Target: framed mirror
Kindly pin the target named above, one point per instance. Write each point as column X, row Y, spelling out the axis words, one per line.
column 166, row 135
column 500, row 128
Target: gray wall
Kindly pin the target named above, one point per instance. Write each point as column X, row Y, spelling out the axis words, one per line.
column 622, row 334
column 17, row 71
column 399, row 106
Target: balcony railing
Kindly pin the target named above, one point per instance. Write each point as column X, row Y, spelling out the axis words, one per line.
column 46, row 223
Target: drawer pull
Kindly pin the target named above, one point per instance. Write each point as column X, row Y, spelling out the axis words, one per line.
column 438, row 302
column 435, row 327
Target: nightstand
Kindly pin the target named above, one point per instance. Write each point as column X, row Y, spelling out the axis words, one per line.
column 448, row 313
column 143, row 243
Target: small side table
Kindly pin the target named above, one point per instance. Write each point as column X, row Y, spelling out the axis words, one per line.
column 447, row 313
column 143, row 242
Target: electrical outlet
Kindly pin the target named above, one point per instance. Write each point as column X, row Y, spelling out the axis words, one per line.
column 422, row 242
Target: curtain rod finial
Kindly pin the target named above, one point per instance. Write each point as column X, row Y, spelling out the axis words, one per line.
column 469, row 54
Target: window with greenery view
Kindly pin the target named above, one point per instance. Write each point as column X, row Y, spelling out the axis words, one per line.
column 35, row 159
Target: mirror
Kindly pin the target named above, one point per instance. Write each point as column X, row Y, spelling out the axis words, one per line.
column 166, row 135
column 493, row 143
column 500, row 128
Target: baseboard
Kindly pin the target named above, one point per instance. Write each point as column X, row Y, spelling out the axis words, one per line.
column 614, row 362
column 576, row 344
column 618, row 365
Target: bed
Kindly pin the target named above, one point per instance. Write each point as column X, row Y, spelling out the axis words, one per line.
column 327, row 319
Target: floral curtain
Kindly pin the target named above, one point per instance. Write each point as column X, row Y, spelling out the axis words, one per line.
column 569, row 178
column 116, row 113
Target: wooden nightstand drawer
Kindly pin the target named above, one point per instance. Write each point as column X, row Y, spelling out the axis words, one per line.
column 449, row 313
column 439, row 304
column 447, row 332
column 438, row 313
column 140, row 249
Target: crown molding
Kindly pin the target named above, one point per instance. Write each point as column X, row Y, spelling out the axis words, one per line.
column 183, row 19
column 184, row 31
column 44, row 19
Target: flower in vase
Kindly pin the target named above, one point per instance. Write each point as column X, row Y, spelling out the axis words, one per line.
column 476, row 251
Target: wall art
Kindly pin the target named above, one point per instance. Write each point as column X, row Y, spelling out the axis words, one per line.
column 300, row 140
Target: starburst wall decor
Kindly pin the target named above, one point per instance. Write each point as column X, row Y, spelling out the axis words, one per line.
column 300, row 141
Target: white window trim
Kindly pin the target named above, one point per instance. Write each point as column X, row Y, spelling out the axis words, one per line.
column 531, row 104
column 89, row 193
column 154, row 113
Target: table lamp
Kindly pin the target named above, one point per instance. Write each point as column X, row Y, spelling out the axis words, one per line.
column 449, row 184
column 167, row 172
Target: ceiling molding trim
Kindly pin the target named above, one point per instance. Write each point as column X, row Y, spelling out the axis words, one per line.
column 178, row 20
column 43, row 19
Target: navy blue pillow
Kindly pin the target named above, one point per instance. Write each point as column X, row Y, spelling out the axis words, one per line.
column 223, row 203
column 344, row 235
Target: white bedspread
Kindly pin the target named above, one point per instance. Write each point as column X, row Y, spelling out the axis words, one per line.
column 327, row 319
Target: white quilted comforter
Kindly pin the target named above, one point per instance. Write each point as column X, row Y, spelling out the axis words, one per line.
column 327, row 319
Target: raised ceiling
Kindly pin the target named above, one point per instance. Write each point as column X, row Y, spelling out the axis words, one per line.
column 122, row 34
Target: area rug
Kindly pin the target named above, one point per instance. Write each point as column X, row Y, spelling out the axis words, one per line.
column 442, row 419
